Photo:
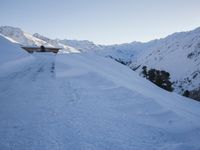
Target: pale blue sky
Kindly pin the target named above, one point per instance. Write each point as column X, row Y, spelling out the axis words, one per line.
column 102, row 21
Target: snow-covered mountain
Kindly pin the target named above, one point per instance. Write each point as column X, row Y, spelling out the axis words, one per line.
column 28, row 39
column 57, row 43
column 21, row 37
column 83, row 46
column 178, row 54
column 82, row 101
column 125, row 52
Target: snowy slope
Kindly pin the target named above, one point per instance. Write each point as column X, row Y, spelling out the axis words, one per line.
column 82, row 101
column 178, row 54
column 10, row 51
column 21, row 37
column 57, row 43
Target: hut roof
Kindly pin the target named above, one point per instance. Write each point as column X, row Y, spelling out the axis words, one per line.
column 32, row 49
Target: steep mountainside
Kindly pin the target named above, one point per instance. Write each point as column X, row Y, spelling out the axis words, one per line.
column 21, row 37
column 178, row 54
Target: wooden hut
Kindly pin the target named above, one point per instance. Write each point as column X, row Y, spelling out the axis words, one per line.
column 40, row 49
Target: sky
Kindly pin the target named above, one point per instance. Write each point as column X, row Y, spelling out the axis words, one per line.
column 102, row 21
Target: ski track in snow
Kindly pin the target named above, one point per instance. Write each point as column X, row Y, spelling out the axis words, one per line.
column 84, row 112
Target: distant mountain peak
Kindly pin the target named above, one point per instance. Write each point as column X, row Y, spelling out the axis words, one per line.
column 10, row 28
column 39, row 36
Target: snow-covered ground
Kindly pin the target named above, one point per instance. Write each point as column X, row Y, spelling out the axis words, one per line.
column 81, row 101
column 87, row 102
column 9, row 51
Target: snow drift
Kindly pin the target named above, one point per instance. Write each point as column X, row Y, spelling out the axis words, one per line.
column 10, row 51
column 82, row 101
